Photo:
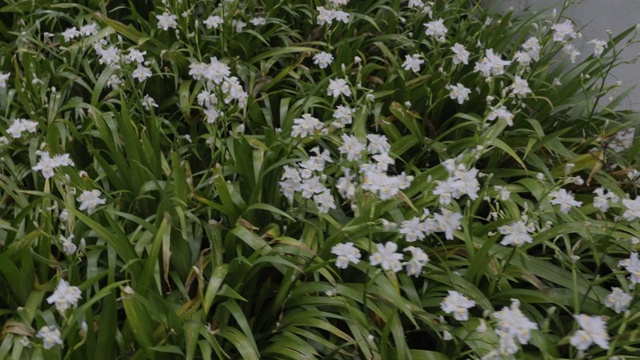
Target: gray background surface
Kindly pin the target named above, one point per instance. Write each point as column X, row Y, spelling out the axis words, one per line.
column 594, row 18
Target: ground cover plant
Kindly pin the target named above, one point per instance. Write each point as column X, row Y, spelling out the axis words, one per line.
column 334, row 179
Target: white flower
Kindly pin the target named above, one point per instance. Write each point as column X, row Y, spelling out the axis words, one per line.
column 593, row 330
column 3, row 79
column 345, row 186
column 436, row 29
column 324, row 201
column 232, row 87
column 418, row 259
column 89, row 29
column 50, row 336
column 618, row 300
column 522, row 58
column 601, row 200
column 598, row 46
column 416, row 4
column 166, row 21
column 563, row 30
column 503, row 191
column 343, row 114
column 206, row 99
column 632, row 265
column 135, row 55
column 213, row 22
column 445, row 190
column 114, row 82
column 461, row 54
column 412, row 62
column 378, row 144
column 340, row 15
column 459, row 92
column 520, row 87
column 346, row 253
column 89, row 200
column 324, row 16
column 457, row 304
column 108, row 56
column 47, row 164
column 65, row 296
column 305, row 126
column 532, row 47
column 633, row 208
column 323, row 59
column 564, row 199
column 148, row 102
column 212, row 115
column 337, row 87
column 70, row 34
column 491, row 64
column 513, row 322
column 571, row 50
column 215, row 71
column 502, row 113
column 507, row 345
column 21, row 125
column 141, row 73
column 517, row 233
column 352, row 147
column 68, row 246
column 387, row 257
column 257, row 21
column 447, row 222
column 412, row 229
column 64, row 215
column 238, row 25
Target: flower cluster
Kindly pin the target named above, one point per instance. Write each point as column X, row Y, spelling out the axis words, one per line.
column 333, row 13
column 307, row 179
column 47, row 164
column 461, row 181
column 418, row 228
column 22, row 125
column 220, row 88
column 346, row 253
column 84, row 31
column 513, row 325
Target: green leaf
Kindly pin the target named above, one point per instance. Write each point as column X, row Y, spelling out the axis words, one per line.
column 240, row 342
column 219, row 273
column 146, row 280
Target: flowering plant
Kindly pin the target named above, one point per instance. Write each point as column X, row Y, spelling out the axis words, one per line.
column 330, row 179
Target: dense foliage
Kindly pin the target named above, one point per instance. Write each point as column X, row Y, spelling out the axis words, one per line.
column 334, row 179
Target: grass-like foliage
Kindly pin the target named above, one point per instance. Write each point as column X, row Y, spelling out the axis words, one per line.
column 288, row 179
